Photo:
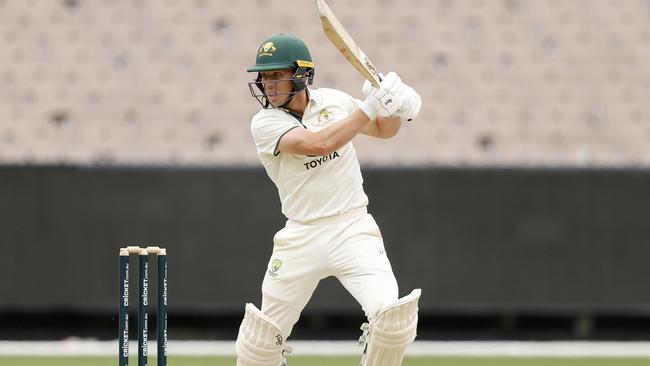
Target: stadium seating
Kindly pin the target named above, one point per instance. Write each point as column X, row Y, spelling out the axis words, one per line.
column 510, row 82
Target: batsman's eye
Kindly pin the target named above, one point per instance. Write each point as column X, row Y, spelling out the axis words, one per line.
column 270, row 76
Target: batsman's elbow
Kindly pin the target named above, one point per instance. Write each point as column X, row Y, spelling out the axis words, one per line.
column 324, row 148
column 303, row 142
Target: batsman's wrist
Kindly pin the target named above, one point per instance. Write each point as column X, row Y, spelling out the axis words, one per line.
column 369, row 108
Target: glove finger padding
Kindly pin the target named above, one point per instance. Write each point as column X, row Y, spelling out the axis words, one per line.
column 415, row 104
column 381, row 102
column 403, row 91
column 367, row 88
column 391, row 83
column 411, row 106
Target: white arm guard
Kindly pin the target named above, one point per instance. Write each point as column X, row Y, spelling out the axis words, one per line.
column 260, row 340
column 388, row 335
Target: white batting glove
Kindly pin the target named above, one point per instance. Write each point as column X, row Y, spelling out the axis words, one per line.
column 384, row 101
column 411, row 100
column 412, row 103
column 368, row 88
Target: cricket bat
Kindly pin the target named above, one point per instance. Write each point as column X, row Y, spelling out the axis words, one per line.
column 345, row 44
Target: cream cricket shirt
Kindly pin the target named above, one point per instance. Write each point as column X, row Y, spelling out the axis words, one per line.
column 311, row 187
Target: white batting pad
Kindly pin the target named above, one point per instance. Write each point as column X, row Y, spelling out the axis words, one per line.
column 260, row 340
column 388, row 335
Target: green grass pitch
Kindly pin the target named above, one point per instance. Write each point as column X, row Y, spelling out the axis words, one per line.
column 335, row 361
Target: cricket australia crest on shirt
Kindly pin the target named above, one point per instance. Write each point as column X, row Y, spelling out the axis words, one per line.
column 325, row 116
column 274, row 267
column 320, row 160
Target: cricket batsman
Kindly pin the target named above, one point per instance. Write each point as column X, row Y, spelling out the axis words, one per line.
column 304, row 140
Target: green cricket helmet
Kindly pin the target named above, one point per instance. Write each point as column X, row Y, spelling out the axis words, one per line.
column 281, row 52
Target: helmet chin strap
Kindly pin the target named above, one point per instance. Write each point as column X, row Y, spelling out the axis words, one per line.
column 286, row 103
column 294, row 91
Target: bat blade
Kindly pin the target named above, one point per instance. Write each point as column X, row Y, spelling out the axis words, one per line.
column 340, row 38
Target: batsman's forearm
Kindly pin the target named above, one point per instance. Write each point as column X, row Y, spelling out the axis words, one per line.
column 388, row 127
column 341, row 132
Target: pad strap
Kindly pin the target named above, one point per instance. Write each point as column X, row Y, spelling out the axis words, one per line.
column 260, row 340
column 388, row 335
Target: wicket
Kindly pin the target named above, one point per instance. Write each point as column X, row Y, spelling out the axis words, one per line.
column 143, row 306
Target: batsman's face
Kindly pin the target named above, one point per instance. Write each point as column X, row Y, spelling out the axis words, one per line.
column 277, row 85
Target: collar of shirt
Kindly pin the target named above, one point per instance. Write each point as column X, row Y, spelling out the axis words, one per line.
column 314, row 102
column 314, row 105
column 315, row 99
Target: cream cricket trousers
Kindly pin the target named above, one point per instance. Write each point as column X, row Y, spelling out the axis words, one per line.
column 348, row 246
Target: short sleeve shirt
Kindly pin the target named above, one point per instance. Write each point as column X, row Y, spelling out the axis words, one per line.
column 311, row 187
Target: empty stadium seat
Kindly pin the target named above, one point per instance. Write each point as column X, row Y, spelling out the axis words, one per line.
column 515, row 82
